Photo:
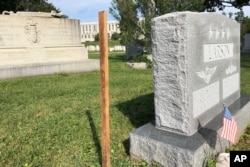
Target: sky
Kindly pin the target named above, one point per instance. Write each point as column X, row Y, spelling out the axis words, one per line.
column 87, row 10
column 84, row 10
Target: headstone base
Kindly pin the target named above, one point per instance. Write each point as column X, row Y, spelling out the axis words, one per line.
column 48, row 68
column 170, row 149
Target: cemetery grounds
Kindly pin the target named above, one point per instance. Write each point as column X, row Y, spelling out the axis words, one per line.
column 55, row 120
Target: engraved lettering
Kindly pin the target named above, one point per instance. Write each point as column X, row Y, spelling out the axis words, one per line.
column 213, row 52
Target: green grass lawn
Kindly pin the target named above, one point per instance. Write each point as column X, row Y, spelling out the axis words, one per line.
column 55, row 120
column 111, row 43
column 244, row 142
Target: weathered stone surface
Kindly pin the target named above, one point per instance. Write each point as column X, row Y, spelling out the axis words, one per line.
column 196, row 60
column 49, row 68
column 31, row 39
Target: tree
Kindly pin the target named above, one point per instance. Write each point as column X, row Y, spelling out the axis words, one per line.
column 239, row 16
column 212, row 5
column 244, row 25
column 115, row 36
column 97, row 37
column 245, row 28
column 7, row 5
column 135, row 16
column 126, row 12
column 230, row 15
column 27, row 5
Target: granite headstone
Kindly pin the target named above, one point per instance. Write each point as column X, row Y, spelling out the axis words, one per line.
column 196, row 69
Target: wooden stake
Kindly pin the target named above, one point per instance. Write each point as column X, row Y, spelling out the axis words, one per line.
column 104, row 88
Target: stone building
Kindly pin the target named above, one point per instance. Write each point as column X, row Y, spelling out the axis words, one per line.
column 90, row 29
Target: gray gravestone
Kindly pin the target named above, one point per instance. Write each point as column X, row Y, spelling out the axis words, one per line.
column 196, row 60
column 246, row 48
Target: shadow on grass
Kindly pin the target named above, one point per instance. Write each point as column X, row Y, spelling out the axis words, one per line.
column 139, row 111
column 95, row 136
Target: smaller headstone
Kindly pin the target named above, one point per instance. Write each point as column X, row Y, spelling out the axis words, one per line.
column 246, row 47
column 91, row 48
column 132, row 51
column 117, row 48
column 141, row 65
column 111, row 49
column 123, row 48
column 97, row 48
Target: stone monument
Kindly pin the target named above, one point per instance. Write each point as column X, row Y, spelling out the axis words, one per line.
column 38, row 43
column 196, row 68
column 246, row 47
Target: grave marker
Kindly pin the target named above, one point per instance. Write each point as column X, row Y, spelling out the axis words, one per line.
column 246, row 47
column 196, row 65
column 37, row 43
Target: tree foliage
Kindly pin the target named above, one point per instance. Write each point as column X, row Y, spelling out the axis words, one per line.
column 212, row 5
column 115, row 36
column 97, row 37
column 135, row 15
column 27, row 5
column 244, row 25
column 245, row 28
